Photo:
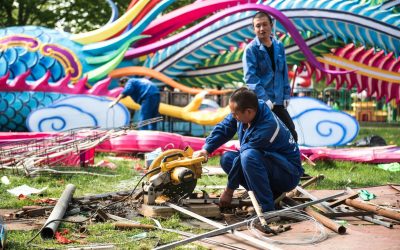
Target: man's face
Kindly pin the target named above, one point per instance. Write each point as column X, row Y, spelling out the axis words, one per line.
column 122, row 84
column 262, row 27
column 245, row 116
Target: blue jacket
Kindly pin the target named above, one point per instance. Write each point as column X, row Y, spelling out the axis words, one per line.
column 267, row 133
column 138, row 88
column 258, row 73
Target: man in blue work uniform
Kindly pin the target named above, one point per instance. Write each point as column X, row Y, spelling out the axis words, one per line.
column 268, row 162
column 143, row 92
column 265, row 70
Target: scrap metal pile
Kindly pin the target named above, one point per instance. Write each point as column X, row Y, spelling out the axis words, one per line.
column 68, row 148
column 71, row 148
column 169, row 187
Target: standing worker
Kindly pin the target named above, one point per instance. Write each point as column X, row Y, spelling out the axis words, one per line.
column 143, row 92
column 268, row 162
column 265, row 70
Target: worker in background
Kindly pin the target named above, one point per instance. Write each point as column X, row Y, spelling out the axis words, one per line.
column 143, row 92
column 268, row 162
column 265, row 70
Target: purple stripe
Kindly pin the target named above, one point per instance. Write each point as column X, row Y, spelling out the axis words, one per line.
column 31, row 41
column 64, row 55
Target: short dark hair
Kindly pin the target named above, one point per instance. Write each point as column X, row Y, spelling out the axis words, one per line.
column 244, row 98
column 123, row 80
column 262, row 14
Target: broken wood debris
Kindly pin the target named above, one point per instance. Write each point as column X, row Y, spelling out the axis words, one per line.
column 229, row 228
column 326, row 210
column 334, row 209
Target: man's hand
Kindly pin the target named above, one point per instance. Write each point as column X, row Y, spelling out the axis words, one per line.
column 286, row 103
column 226, row 197
column 200, row 153
column 111, row 105
column 270, row 104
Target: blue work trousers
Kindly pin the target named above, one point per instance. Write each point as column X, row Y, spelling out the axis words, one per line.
column 149, row 109
column 261, row 174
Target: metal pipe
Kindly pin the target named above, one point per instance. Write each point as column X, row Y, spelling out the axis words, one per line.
column 126, row 224
column 245, row 222
column 253, row 240
column 324, row 206
column 376, row 221
column 377, row 210
column 340, row 229
column 371, row 219
column 58, row 212
column 94, row 247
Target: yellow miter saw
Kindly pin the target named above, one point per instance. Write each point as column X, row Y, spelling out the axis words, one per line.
column 172, row 176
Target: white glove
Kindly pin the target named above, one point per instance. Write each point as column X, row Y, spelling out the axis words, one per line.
column 286, row 103
column 270, row 104
column 111, row 105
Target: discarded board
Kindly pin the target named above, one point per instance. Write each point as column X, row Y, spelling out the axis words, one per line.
column 206, row 210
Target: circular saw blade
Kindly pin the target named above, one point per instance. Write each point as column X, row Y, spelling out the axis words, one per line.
column 178, row 191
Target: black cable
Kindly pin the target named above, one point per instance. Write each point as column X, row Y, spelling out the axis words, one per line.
column 95, row 213
column 121, row 200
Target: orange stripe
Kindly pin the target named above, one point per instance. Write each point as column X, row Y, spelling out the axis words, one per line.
column 142, row 71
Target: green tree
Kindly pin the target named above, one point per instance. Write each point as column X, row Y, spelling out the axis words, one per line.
column 70, row 15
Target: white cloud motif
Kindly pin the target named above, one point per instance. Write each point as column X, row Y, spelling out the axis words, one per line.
column 78, row 111
column 317, row 124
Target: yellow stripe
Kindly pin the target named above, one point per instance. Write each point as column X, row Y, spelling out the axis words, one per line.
column 362, row 69
column 109, row 30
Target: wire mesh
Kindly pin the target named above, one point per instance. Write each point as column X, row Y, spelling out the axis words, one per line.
column 66, row 148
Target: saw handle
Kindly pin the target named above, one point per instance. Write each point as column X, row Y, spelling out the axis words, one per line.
column 184, row 162
column 166, row 158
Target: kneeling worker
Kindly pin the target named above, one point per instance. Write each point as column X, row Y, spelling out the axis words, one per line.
column 143, row 92
column 268, row 162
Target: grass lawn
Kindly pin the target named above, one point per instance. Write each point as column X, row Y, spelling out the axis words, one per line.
column 338, row 175
column 390, row 134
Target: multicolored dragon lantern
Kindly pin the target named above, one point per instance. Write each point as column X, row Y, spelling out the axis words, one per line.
column 42, row 70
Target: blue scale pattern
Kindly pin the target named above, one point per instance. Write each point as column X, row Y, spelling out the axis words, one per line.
column 16, row 106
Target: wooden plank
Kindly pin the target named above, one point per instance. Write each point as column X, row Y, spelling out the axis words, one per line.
column 307, row 183
column 209, row 210
column 342, row 200
column 394, row 187
column 205, row 210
